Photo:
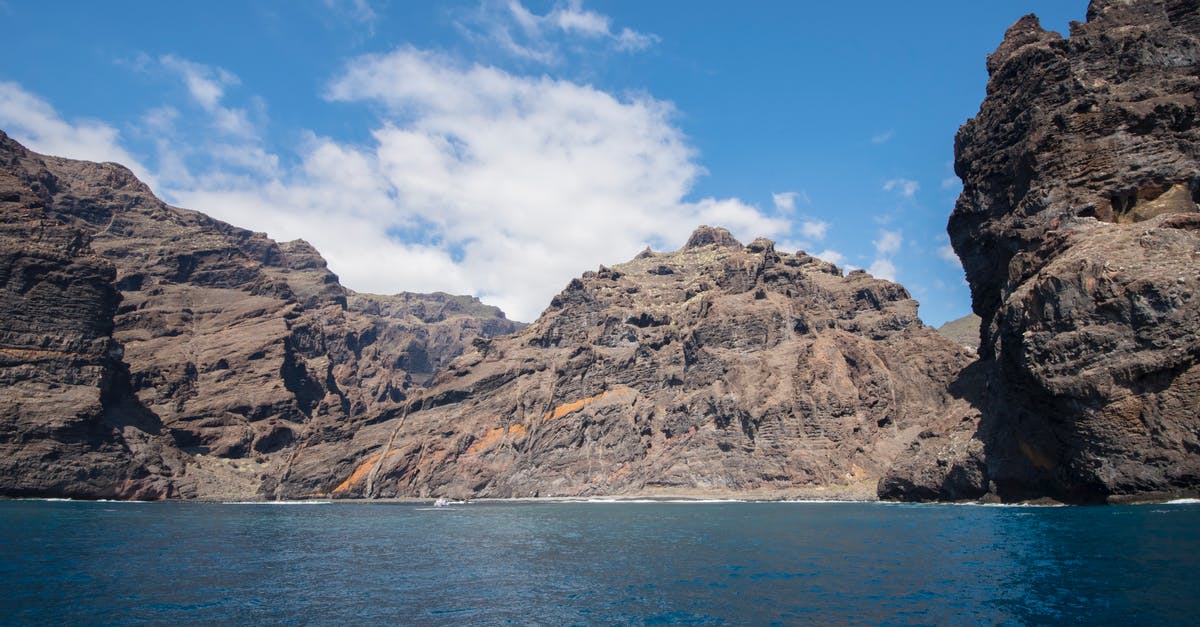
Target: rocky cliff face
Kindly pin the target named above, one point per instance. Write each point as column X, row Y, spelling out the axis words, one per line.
column 150, row 351
column 717, row 368
column 59, row 365
column 1079, row 231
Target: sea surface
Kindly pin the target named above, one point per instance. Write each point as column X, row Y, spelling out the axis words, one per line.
column 597, row 563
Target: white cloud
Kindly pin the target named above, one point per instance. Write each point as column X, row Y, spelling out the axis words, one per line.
column 220, row 147
column 36, row 124
column 883, row 137
column 473, row 180
column 814, row 229
column 573, row 18
column 479, row 181
column 883, row 269
column 540, row 38
column 629, row 39
column 206, row 85
column 887, row 245
column 888, row 242
column 951, row 182
column 810, row 229
column 832, row 256
column 785, row 201
column 905, row 187
column 947, row 253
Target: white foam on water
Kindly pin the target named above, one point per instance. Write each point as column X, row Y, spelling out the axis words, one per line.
column 276, row 502
column 645, row 500
column 55, row 499
column 1183, row 502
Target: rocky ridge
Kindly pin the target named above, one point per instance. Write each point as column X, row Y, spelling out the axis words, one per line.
column 153, row 352
column 1079, row 231
column 717, row 368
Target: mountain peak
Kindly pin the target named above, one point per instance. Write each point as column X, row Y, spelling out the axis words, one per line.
column 706, row 235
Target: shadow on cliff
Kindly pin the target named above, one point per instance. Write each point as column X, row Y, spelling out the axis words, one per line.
column 142, row 434
column 1027, row 442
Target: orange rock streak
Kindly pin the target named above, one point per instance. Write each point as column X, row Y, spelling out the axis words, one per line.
column 566, row 408
column 361, row 472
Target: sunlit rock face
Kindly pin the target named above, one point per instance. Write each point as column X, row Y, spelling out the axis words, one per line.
column 718, row 368
column 151, row 352
column 1080, row 234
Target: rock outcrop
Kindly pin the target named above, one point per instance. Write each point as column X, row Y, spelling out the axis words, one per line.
column 1079, row 231
column 717, row 368
column 149, row 351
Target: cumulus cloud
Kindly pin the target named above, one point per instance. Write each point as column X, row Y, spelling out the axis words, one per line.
column 36, row 124
column 479, row 181
column 905, row 187
column 472, row 180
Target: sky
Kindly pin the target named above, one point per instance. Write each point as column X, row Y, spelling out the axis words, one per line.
column 501, row 147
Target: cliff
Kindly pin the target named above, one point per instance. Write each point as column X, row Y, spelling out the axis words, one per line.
column 717, row 368
column 149, row 351
column 152, row 352
column 1079, row 231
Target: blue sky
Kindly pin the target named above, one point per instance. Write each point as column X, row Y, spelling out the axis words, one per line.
column 500, row 148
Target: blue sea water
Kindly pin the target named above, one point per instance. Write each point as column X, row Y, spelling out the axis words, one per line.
column 597, row 563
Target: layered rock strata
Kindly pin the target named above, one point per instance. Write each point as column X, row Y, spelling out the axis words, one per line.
column 1079, row 230
column 150, row 351
column 717, row 368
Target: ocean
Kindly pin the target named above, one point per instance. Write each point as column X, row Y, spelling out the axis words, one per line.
column 596, row 563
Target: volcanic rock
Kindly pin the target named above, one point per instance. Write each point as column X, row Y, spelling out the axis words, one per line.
column 1079, row 231
column 715, row 369
column 149, row 351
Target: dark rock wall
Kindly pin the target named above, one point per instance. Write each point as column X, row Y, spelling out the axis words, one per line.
column 60, row 367
column 1079, row 231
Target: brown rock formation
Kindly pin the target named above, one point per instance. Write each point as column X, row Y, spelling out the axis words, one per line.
column 715, row 368
column 153, row 351
column 59, row 364
column 1079, row 231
